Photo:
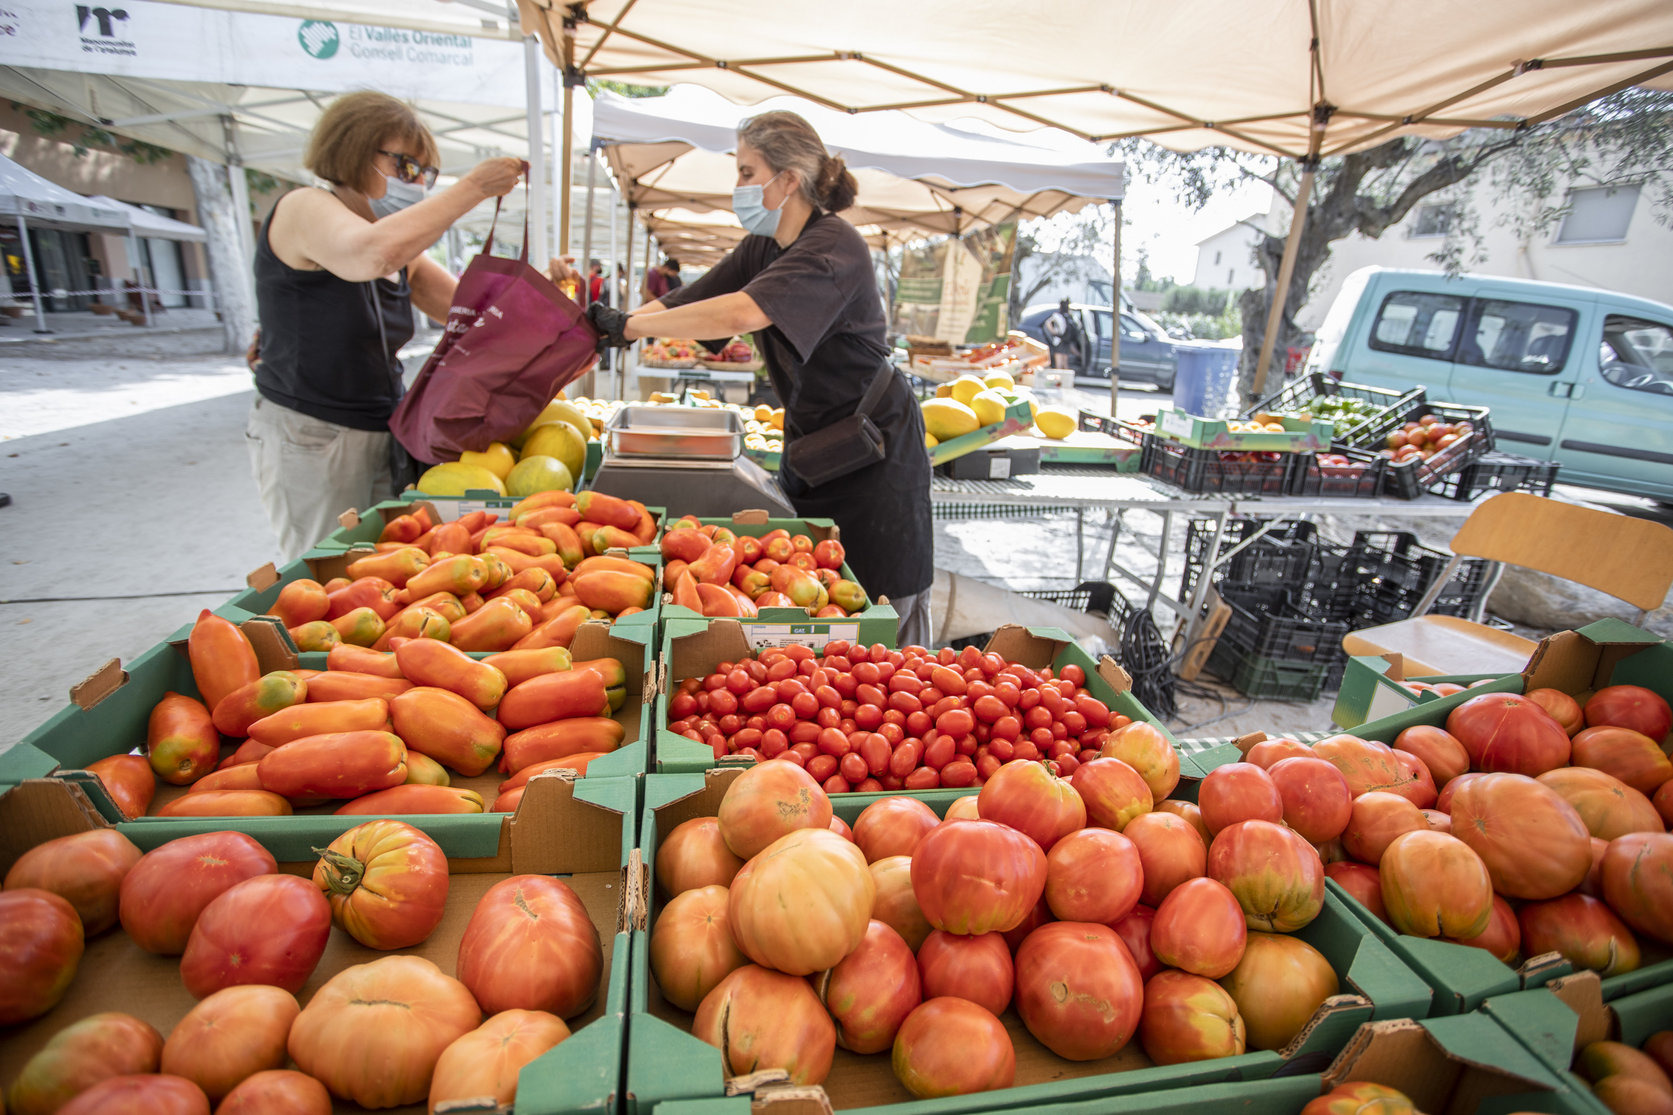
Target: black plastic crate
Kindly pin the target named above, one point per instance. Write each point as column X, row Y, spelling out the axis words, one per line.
column 1275, row 623
column 1132, row 434
column 1282, row 555
column 1217, row 471
column 1394, row 571
column 1500, row 472
column 1410, row 478
column 1294, row 397
column 1093, row 597
column 1363, row 478
column 1273, row 679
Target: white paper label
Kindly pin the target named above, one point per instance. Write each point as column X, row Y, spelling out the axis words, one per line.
column 999, row 466
column 762, row 635
column 1176, row 423
column 455, row 509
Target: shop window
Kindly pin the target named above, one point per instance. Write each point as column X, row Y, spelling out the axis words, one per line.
column 1432, row 220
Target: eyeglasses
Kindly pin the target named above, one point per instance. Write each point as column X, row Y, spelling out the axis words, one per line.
column 409, row 169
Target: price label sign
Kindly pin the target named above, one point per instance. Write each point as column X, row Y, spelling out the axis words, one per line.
column 1176, row 423
column 762, row 635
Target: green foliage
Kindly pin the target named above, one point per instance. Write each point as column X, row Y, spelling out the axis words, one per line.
column 53, row 126
column 1196, row 300
column 624, row 89
column 258, row 182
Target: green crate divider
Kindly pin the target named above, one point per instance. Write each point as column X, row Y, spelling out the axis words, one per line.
column 1301, row 435
column 665, row 1063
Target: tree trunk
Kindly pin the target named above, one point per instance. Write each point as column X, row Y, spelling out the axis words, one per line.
column 229, row 270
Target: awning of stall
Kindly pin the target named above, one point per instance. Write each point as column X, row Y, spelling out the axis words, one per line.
column 45, row 204
column 1300, row 78
column 153, row 225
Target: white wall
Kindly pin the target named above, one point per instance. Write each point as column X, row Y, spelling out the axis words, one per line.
column 1225, row 261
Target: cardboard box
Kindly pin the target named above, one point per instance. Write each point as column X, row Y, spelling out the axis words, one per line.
column 1453, row 1066
column 363, row 527
column 693, row 649
column 1302, row 434
column 584, row 831
column 877, row 622
column 1556, row 1021
column 1371, row 689
column 109, row 713
column 1018, row 418
column 665, row 1062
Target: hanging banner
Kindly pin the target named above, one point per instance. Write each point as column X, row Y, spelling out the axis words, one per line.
column 175, row 42
column 957, row 290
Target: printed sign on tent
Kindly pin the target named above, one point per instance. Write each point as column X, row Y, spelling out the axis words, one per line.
column 957, row 290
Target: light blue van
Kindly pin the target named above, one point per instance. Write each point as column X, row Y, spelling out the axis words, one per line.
column 1574, row 375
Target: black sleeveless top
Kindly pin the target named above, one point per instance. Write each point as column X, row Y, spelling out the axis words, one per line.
column 321, row 352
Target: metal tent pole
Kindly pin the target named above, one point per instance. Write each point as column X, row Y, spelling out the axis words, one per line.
column 1115, row 313
column 535, row 210
column 587, row 228
column 34, row 279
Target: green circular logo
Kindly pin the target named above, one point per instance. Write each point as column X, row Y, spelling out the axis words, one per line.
column 318, row 37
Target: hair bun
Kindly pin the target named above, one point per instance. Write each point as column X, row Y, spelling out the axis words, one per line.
column 836, row 187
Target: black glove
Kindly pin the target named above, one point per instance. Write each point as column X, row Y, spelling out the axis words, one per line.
column 609, row 322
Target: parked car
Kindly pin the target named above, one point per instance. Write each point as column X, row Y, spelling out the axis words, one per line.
column 1575, row 375
column 1147, row 355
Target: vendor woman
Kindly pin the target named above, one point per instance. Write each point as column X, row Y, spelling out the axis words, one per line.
column 803, row 284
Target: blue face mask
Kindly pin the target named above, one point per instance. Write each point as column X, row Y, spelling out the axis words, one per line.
column 752, row 211
column 397, row 195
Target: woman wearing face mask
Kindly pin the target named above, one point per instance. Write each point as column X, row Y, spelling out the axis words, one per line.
column 803, row 284
column 338, row 269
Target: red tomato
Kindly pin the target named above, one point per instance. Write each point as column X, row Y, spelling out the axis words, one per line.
column 387, row 884
column 234, row 1034
column 530, row 944
column 277, row 1092
column 270, row 929
column 976, row 967
column 163, row 894
column 150, row 1094
column 86, row 868
column 977, row 876
column 40, row 937
column 1078, row 990
column 951, row 1046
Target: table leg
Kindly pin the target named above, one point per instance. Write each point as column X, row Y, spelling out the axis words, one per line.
column 1080, row 544
column 1117, row 517
column 1199, row 591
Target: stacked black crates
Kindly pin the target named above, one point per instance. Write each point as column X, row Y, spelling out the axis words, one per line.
column 1294, row 594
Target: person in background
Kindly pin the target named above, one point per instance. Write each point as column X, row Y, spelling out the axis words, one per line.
column 802, row 282
column 339, row 267
column 671, row 272
column 621, row 287
column 1064, row 337
column 596, row 291
column 661, row 279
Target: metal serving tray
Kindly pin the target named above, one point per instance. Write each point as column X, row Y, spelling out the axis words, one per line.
column 680, row 433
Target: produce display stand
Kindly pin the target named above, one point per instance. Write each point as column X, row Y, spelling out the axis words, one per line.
column 584, row 832
column 665, row 1063
column 109, row 712
column 692, row 648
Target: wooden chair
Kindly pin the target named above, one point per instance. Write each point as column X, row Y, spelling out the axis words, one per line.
column 1627, row 558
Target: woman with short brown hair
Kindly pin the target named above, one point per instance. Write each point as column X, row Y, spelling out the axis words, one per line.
column 338, row 268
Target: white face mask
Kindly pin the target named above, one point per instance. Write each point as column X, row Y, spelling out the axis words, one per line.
column 752, row 211
column 397, row 195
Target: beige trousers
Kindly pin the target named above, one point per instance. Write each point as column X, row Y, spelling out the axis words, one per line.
column 310, row 471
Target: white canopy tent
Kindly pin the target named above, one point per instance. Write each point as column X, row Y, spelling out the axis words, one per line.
column 1298, row 78
column 152, row 226
column 26, row 198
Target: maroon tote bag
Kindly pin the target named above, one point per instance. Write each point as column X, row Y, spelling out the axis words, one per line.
column 512, row 342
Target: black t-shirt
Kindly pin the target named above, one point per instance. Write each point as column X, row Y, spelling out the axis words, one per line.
column 322, row 353
column 825, row 343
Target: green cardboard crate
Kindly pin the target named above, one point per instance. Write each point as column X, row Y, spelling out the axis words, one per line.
column 1301, row 434
column 584, row 832
column 666, row 1063
column 1018, row 418
column 692, row 648
column 109, row 712
column 1556, row 1021
column 877, row 622
column 1371, row 690
column 1461, row 1065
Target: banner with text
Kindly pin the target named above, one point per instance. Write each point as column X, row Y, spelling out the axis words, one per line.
column 176, row 42
column 957, row 290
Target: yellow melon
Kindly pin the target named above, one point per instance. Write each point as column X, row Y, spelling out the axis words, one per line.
column 967, row 387
column 455, row 479
column 948, row 418
column 560, row 440
column 989, row 406
column 1056, row 422
column 999, row 379
column 538, row 473
column 497, row 458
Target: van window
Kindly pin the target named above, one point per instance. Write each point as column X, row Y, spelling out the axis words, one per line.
column 1637, row 354
column 1517, row 337
column 1417, row 324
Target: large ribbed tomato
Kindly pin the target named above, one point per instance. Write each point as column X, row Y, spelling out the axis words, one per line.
column 978, row 968
column 952, row 1047
column 767, row 801
column 531, row 945
column 1583, row 930
column 1506, row 732
column 1189, row 1018
column 977, row 876
column 692, row 947
column 230, row 1036
column 269, row 929
column 1275, row 875
column 871, row 990
column 1034, row 801
column 1630, row 706
column 1078, row 990
column 695, row 855
column 1631, row 756
column 40, row 937
column 1502, row 937
column 892, row 826
column 1638, row 882
column 1278, row 986
column 1532, row 841
column 1434, row 885
column 762, row 1019
column 80, row 1055
column 1608, row 806
column 1366, row 764
column 486, row 1061
column 1142, row 746
column 802, row 903
column 387, row 884
column 373, row 1032
column 86, row 868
